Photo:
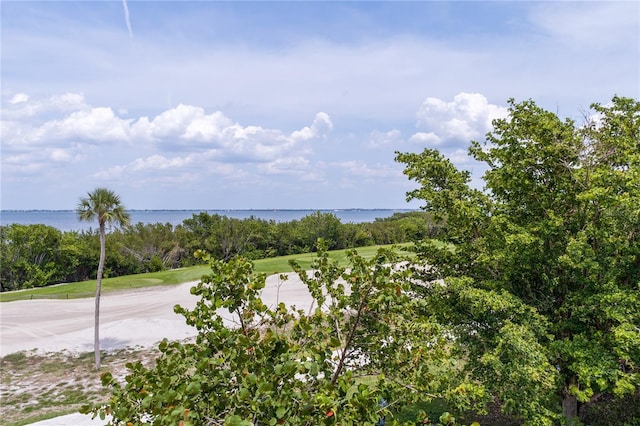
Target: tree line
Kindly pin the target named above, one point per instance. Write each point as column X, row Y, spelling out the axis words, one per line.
column 40, row 255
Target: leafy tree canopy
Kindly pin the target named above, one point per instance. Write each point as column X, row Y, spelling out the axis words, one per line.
column 543, row 288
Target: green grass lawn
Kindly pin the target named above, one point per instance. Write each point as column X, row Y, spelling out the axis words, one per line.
column 176, row 276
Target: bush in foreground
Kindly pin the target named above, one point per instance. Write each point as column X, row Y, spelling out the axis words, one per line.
column 364, row 348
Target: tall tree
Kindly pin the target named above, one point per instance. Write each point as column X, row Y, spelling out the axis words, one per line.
column 542, row 289
column 105, row 206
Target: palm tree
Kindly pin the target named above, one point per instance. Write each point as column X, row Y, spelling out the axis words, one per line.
column 104, row 205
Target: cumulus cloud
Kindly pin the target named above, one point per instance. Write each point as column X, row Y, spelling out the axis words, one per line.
column 467, row 117
column 182, row 123
column 172, row 123
column 184, row 128
column 180, row 141
column 425, row 138
column 190, row 127
column 320, row 127
column 92, row 125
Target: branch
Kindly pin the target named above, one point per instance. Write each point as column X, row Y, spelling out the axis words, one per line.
column 351, row 335
column 414, row 389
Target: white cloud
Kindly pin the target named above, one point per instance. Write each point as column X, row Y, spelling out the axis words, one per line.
column 19, row 98
column 185, row 145
column 189, row 127
column 378, row 138
column 186, row 122
column 467, row 117
column 207, row 127
column 170, row 170
column 154, row 163
column 66, row 102
column 184, row 128
column 92, row 125
column 159, row 162
column 425, row 138
column 61, row 156
column 45, row 161
column 127, row 19
column 320, row 127
column 21, row 106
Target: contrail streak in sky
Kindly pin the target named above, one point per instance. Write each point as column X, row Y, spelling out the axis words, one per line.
column 126, row 18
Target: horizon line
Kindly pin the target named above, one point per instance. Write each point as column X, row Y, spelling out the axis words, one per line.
column 229, row 209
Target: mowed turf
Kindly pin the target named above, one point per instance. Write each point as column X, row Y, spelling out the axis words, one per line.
column 269, row 266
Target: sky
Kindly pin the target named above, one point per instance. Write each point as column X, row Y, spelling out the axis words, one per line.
column 282, row 105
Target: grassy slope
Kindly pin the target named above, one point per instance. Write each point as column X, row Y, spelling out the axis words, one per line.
column 176, row 276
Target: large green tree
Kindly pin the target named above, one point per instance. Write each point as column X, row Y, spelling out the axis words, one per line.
column 32, row 256
column 104, row 206
column 151, row 247
column 542, row 291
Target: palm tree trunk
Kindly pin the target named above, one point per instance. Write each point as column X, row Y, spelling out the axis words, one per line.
column 96, row 334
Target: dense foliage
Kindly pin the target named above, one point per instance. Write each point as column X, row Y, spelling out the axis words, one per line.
column 363, row 349
column 39, row 255
column 543, row 289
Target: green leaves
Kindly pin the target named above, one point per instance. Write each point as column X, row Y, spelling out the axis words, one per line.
column 276, row 366
column 365, row 346
column 444, row 188
column 542, row 289
column 105, row 206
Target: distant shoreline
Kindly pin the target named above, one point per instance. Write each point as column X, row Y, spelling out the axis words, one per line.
column 66, row 220
column 223, row 210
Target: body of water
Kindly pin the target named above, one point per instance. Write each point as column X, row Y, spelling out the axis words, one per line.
column 66, row 220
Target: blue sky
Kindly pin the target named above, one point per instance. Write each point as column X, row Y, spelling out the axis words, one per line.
column 267, row 105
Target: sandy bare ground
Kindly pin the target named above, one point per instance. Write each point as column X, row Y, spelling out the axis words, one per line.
column 127, row 319
column 139, row 318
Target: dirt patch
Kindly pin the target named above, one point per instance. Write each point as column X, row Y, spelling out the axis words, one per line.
column 35, row 385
